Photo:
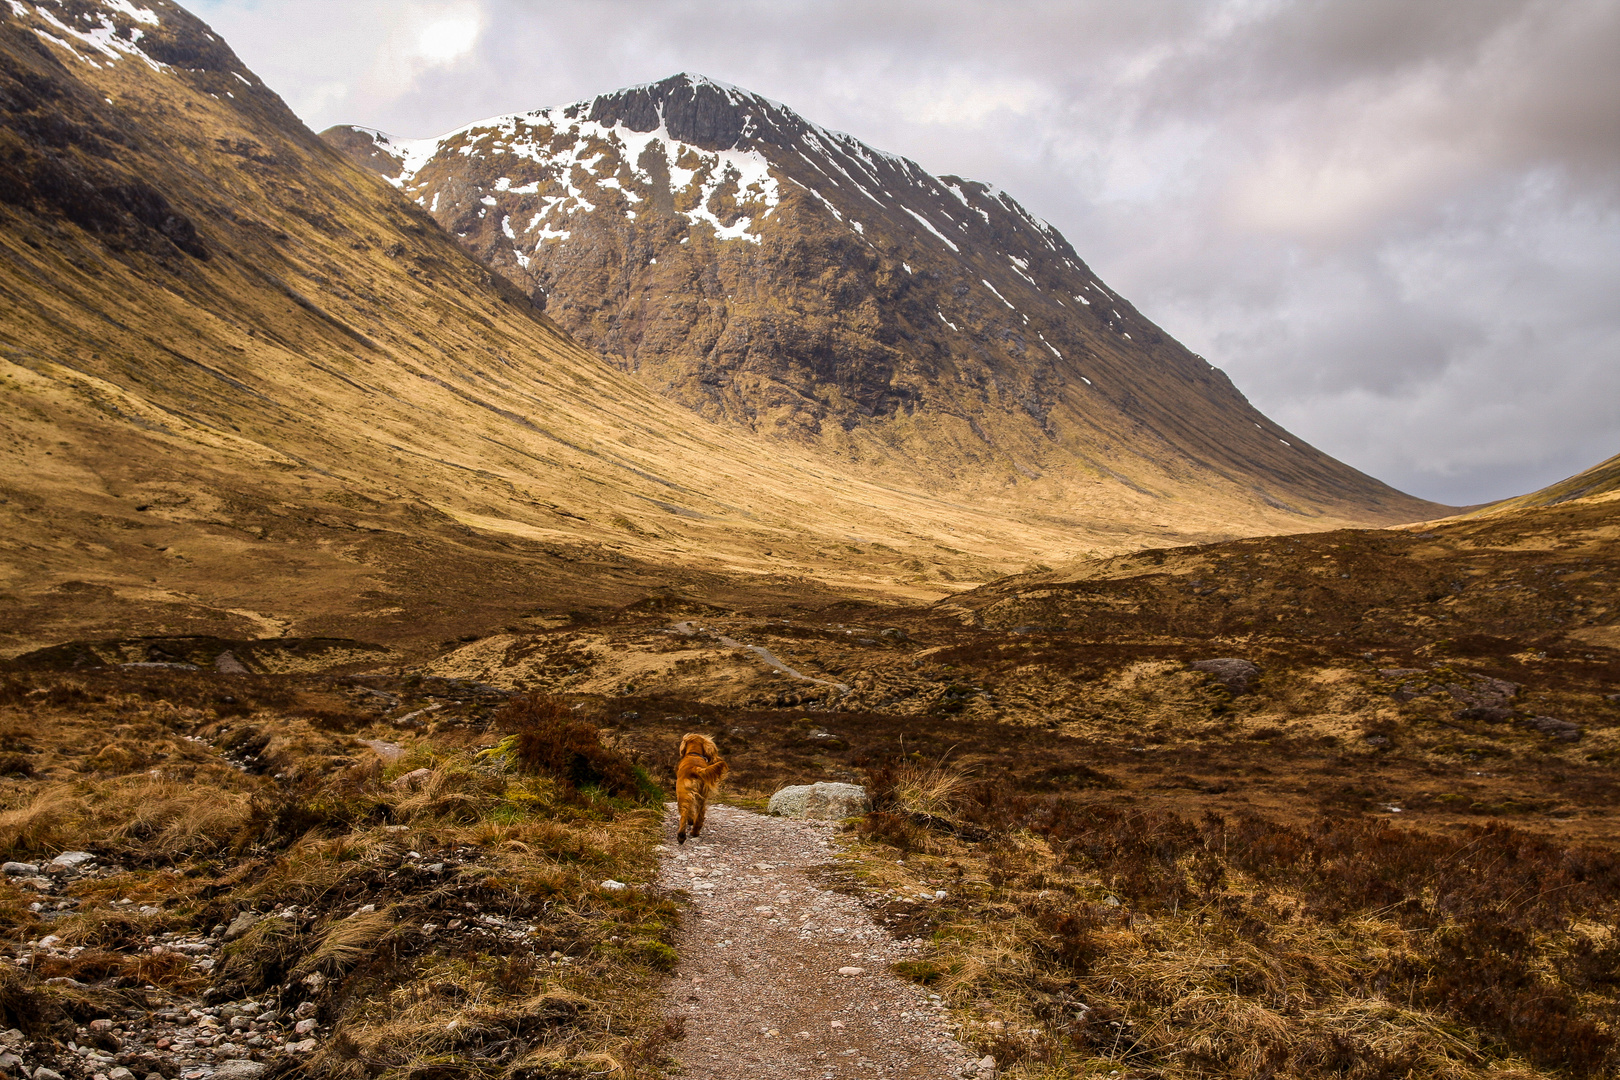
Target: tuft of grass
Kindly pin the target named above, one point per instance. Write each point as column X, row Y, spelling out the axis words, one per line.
column 346, row 942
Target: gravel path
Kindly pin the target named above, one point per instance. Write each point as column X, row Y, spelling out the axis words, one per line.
column 771, row 659
column 780, row 977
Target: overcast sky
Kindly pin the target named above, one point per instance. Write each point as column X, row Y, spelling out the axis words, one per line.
column 1394, row 223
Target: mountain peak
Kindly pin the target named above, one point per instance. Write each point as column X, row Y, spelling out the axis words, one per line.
column 695, row 109
column 772, row 274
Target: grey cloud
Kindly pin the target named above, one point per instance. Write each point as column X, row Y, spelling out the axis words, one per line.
column 1396, row 225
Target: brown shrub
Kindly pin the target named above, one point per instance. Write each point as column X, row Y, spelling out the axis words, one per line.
column 1481, row 914
column 551, row 741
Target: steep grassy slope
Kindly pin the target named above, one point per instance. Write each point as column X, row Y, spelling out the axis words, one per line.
column 249, row 389
column 792, row 280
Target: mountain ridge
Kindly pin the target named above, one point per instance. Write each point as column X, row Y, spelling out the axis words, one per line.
column 249, row 390
column 775, row 274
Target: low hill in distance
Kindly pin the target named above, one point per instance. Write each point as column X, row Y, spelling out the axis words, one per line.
column 1600, row 480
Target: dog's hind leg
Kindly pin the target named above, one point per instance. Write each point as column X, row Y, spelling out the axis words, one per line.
column 702, row 812
column 686, row 818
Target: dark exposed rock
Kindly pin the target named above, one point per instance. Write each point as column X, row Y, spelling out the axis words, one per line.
column 1490, row 714
column 1558, row 729
column 1234, row 674
column 1484, row 692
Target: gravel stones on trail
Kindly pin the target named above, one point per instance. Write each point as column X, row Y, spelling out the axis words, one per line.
column 767, row 983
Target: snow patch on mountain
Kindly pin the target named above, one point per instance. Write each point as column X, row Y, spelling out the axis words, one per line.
column 100, row 32
column 575, row 153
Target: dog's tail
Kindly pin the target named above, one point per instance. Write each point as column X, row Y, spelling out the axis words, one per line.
column 711, row 775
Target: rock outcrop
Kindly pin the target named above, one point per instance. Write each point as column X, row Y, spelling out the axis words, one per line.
column 822, row 801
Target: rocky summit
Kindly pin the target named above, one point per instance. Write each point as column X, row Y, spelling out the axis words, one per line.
column 775, row 275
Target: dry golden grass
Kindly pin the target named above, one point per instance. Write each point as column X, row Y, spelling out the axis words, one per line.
column 346, row 941
column 930, row 792
column 150, row 816
column 468, row 942
column 1189, row 965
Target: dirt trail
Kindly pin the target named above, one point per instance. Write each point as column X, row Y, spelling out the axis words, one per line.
column 759, row 987
column 686, row 629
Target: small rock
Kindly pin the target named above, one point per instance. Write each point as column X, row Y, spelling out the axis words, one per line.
column 120, row 1073
column 1485, row 692
column 239, row 1069
column 389, row 752
column 1490, row 714
column 9, row 1061
column 226, row 663
column 1234, row 674
column 42, row 1073
column 1111, row 901
column 304, row 1026
column 987, row 1066
column 303, row 1047
column 240, row 925
column 848, row 971
column 821, row 802
column 304, row 1009
column 413, row 780
column 101, row 1025
column 614, row 886
column 20, row 869
column 1558, row 729
column 69, row 861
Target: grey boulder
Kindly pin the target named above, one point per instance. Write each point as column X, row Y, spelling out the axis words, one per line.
column 69, row 861
column 240, row 925
column 1234, row 674
column 822, row 802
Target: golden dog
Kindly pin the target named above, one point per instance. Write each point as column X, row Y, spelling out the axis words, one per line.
column 697, row 778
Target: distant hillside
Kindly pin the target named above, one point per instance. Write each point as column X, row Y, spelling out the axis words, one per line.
column 790, row 280
column 1601, row 479
column 249, row 390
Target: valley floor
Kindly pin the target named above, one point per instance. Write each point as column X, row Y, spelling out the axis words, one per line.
column 1335, row 805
